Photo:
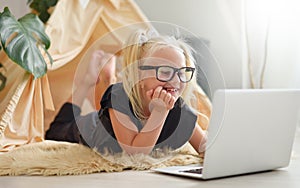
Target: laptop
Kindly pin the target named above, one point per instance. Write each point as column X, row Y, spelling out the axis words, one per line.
column 250, row 130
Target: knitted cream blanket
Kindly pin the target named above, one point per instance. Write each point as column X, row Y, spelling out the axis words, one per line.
column 61, row 158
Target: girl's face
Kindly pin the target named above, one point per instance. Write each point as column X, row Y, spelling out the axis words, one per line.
column 166, row 56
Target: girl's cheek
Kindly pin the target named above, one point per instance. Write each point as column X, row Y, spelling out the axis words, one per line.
column 149, row 94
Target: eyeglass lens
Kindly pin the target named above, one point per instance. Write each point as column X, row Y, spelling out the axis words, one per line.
column 167, row 74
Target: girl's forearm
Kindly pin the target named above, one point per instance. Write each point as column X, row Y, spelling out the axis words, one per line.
column 146, row 139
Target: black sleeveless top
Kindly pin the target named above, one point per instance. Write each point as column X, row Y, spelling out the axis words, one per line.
column 177, row 129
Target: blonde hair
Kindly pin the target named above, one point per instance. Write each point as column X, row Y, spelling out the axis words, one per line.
column 144, row 43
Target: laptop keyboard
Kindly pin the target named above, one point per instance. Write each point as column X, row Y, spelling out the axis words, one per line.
column 194, row 171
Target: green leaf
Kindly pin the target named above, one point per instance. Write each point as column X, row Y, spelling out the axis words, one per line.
column 29, row 1
column 35, row 6
column 51, row 3
column 44, row 16
column 42, row 7
column 22, row 40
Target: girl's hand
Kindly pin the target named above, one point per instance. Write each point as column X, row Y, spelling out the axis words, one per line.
column 161, row 100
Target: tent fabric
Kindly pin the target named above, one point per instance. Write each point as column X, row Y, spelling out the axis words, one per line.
column 28, row 105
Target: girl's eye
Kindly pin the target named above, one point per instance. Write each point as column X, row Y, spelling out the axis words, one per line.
column 165, row 72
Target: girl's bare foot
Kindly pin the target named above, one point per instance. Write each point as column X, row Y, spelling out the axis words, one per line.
column 106, row 76
column 108, row 72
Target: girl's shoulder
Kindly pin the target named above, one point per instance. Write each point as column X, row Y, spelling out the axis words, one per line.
column 115, row 97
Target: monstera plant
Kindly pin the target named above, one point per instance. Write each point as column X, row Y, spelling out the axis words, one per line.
column 42, row 8
column 25, row 41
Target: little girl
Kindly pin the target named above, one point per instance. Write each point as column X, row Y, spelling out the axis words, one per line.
column 151, row 109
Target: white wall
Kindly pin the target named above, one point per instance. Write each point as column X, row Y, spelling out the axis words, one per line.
column 283, row 43
column 17, row 7
column 219, row 21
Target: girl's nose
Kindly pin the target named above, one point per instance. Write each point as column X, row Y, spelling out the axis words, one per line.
column 175, row 79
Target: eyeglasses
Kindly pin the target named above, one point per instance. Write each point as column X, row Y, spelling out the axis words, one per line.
column 166, row 73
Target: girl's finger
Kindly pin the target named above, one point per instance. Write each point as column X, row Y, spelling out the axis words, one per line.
column 163, row 94
column 172, row 102
column 167, row 98
column 157, row 92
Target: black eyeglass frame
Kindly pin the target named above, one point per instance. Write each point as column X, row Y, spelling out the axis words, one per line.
column 176, row 70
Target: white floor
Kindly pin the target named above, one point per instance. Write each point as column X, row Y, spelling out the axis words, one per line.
column 283, row 178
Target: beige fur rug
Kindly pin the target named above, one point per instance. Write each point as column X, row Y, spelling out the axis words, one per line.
column 61, row 158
